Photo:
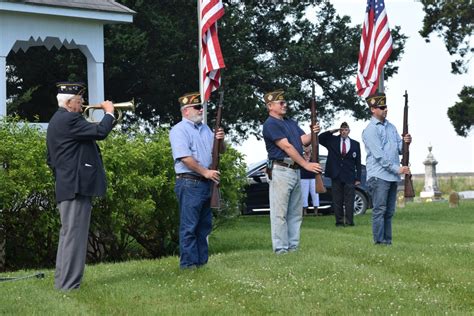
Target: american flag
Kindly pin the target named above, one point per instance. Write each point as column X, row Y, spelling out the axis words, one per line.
column 211, row 56
column 375, row 47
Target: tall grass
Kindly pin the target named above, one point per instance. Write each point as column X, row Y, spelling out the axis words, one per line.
column 447, row 184
column 428, row 270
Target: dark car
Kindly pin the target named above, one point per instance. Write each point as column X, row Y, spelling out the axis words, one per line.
column 257, row 191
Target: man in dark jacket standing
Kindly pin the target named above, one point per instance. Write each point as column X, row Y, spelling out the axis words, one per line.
column 343, row 166
column 75, row 160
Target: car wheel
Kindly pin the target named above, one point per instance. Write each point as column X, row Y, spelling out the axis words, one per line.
column 360, row 203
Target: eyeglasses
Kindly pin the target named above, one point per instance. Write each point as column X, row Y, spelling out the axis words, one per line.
column 196, row 107
column 280, row 103
column 382, row 107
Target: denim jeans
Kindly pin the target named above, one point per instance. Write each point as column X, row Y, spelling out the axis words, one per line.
column 286, row 204
column 195, row 221
column 384, row 195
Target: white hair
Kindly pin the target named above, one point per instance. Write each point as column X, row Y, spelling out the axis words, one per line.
column 63, row 98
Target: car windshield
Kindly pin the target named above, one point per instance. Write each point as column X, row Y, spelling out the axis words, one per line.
column 254, row 165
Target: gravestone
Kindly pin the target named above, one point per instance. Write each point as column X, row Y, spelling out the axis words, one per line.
column 400, row 199
column 431, row 189
column 454, row 199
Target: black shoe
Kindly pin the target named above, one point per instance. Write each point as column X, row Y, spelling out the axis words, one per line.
column 351, row 224
column 339, row 225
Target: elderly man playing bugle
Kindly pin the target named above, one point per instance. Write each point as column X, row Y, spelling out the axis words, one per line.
column 74, row 158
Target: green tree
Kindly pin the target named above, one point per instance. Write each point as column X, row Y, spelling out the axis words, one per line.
column 461, row 113
column 453, row 21
column 265, row 46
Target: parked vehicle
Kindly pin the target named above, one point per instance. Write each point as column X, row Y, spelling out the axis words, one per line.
column 257, row 201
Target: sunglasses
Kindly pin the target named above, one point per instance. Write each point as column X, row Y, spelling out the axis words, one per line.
column 382, row 107
column 196, row 107
column 280, row 103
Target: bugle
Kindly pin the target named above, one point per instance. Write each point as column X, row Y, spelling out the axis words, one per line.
column 118, row 113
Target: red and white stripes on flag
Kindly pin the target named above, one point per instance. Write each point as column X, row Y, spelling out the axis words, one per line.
column 375, row 48
column 211, row 55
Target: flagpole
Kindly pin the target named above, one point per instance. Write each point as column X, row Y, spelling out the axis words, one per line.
column 201, row 86
column 381, row 87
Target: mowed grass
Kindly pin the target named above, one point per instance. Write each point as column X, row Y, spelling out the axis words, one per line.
column 428, row 270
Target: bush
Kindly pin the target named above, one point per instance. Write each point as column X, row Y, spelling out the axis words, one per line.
column 138, row 217
column 28, row 218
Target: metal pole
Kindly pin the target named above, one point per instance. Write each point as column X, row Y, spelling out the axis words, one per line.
column 201, row 86
column 380, row 88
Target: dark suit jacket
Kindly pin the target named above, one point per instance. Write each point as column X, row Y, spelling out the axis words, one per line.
column 74, row 156
column 345, row 168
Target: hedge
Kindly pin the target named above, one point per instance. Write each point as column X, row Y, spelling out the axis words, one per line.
column 137, row 219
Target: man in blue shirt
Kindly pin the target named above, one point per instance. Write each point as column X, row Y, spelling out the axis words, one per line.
column 284, row 142
column 384, row 147
column 191, row 144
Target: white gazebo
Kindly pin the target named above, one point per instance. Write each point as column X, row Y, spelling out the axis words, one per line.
column 72, row 24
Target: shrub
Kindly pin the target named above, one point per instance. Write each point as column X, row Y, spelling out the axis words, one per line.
column 138, row 217
column 28, row 218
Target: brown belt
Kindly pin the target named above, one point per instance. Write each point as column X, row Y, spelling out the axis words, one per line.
column 284, row 164
column 190, row 176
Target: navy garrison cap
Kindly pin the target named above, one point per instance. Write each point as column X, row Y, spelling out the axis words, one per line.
column 76, row 88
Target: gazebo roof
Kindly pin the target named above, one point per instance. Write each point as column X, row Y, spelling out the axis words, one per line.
column 96, row 5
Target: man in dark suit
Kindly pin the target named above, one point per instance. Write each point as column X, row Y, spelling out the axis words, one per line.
column 343, row 166
column 75, row 160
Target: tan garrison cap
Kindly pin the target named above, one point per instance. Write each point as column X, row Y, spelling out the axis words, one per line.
column 276, row 95
column 377, row 99
column 190, row 98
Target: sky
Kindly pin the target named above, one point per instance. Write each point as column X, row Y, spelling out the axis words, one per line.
column 425, row 72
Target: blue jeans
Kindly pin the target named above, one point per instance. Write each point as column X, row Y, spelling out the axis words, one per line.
column 195, row 221
column 384, row 196
column 286, row 204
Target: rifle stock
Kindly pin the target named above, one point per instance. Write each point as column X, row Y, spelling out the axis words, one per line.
column 409, row 192
column 215, row 192
column 320, row 188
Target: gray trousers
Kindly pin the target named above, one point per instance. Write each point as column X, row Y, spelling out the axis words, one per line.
column 72, row 248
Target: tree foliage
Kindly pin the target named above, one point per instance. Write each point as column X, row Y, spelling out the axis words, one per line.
column 461, row 113
column 453, row 21
column 266, row 45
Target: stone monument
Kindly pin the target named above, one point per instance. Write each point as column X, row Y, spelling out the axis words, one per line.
column 431, row 189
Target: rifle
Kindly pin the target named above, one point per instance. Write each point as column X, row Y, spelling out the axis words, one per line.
column 314, row 146
column 215, row 194
column 409, row 192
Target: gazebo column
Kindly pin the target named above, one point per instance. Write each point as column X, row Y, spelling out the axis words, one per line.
column 95, row 80
column 95, row 73
column 95, row 85
column 3, row 86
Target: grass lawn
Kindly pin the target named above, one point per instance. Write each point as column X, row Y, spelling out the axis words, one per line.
column 428, row 270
